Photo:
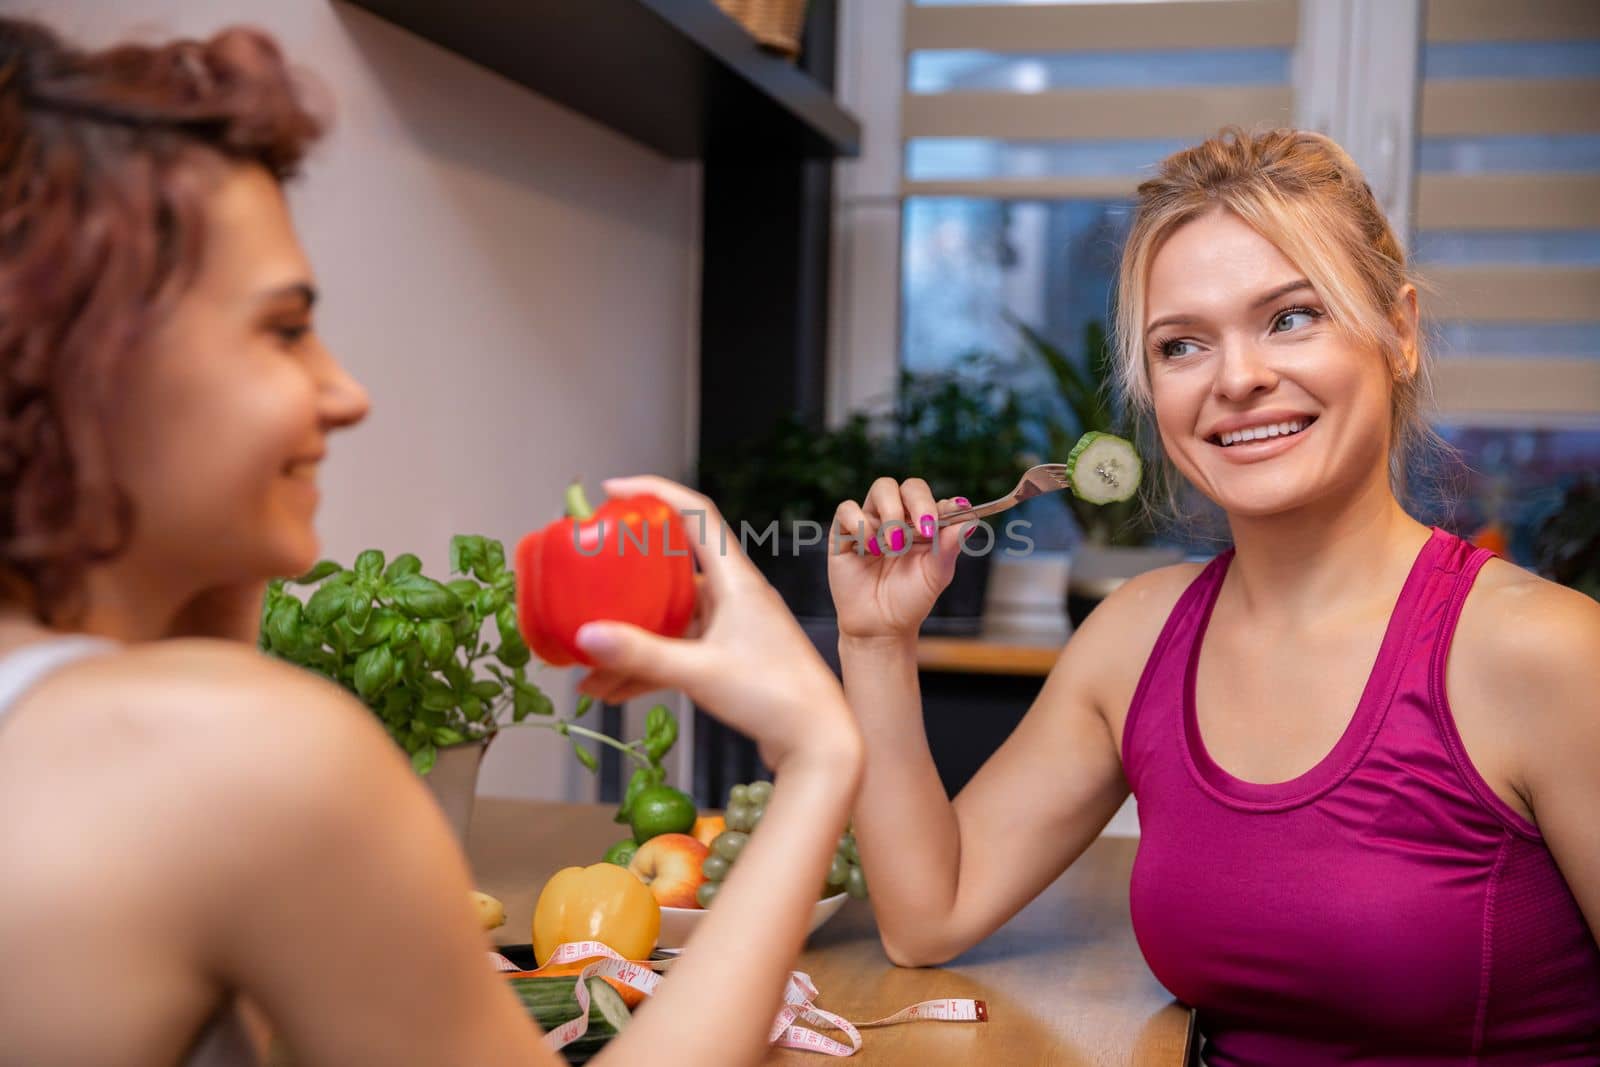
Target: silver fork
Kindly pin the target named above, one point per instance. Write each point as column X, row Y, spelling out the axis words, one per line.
column 1037, row 480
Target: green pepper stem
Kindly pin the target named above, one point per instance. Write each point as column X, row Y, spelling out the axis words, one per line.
column 578, row 503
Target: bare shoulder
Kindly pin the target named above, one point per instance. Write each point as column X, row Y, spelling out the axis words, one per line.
column 1523, row 677
column 181, row 741
column 1112, row 646
column 1127, row 623
column 1520, row 631
column 217, row 703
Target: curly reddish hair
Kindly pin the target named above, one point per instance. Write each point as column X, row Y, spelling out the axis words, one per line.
column 106, row 158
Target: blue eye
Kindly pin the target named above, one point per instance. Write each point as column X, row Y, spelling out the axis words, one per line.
column 1285, row 320
column 1174, row 349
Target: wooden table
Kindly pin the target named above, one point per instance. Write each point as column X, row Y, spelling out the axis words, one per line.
column 1064, row 980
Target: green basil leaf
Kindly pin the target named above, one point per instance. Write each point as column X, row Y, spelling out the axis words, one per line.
column 404, row 631
column 317, row 573
column 484, row 689
column 402, row 565
column 514, row 653
column 397, row 705
column 661, row 733
column 444, row 737
column 585, row 702
column 494, row 559
column 457, row 676
column 437, row 640
column 465, row 588
column 437, row 696
column 422, row 759
column 485, row 602
column 586, row 757
column 505, row 620
column 328, row 603
column 465, row 552
column 284, row 628
column 369, row 564
column 374, row 672
column 471, row 706
column 359, row 614
column 528, row 699
column 424, row 598
column 381, row 627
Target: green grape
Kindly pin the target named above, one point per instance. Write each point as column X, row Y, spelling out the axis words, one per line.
column 855, row 883
column 706, row 893
column 729, row 844
column 838, row 871
column 738, row 816
column 760, row 793
column 847, row 845
column 714, row 867
column 739, row 794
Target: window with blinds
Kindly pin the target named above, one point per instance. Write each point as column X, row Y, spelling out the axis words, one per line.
column 1026, row 128
column 1507, row 234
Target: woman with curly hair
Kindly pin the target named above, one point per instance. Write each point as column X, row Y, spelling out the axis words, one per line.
column 233, row 842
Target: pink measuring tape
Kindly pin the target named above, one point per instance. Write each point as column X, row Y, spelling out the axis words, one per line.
column 799, row 997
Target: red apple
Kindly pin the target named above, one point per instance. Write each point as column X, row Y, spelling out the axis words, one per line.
column 670, row 865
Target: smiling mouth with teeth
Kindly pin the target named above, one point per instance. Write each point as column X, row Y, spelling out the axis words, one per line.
column 1287, row 428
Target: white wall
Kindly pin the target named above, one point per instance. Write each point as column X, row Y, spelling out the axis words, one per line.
column 515, row 285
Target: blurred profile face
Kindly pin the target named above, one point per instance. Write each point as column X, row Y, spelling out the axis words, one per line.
column 225, row 415
column 1261, row 401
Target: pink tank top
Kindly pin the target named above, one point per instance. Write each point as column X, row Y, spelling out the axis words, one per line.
column 1384, row 907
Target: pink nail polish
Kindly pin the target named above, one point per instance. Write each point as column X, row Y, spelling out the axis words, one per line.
column 926, row 525
column 963, row 502
column 897, row 540
column 872, row 546
column 971, row 530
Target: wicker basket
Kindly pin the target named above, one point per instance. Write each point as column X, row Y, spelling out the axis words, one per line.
column 775, row 24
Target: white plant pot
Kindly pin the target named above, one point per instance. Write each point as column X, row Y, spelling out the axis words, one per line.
column 1097, row 570
column 454, row 783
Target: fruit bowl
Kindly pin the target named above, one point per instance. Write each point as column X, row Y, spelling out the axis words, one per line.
column 677, row 924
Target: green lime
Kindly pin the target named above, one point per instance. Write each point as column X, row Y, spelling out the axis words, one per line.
column 622, row 852
column 661, row 809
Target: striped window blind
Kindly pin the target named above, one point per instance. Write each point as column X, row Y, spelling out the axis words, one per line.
column 1024, row 128
column 1507, row 227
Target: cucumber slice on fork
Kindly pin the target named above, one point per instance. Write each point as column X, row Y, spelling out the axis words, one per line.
column 1104, row 468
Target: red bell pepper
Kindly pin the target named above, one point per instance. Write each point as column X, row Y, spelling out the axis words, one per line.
column 628, row 561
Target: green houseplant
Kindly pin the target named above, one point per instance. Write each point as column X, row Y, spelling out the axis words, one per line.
column 966, row 434
column 961, row 431
column 1083, row 402
column 1116, row 537
column 413, row 649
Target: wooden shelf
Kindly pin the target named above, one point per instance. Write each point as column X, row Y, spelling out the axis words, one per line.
column 676, row 75
column 1029, row 653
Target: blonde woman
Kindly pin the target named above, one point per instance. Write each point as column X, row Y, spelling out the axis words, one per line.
column 1364, row 753
column 196, row 839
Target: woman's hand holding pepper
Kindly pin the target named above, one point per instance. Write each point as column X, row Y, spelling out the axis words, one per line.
column 746, row 660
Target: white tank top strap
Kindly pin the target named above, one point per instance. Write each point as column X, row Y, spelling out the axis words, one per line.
column 31, row 664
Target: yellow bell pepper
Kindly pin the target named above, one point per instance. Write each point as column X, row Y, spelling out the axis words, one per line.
column 604, row 903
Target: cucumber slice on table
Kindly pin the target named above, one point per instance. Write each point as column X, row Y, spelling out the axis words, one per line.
column 1104, row 468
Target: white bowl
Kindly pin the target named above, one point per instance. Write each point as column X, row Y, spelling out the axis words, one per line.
column 678, row 923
